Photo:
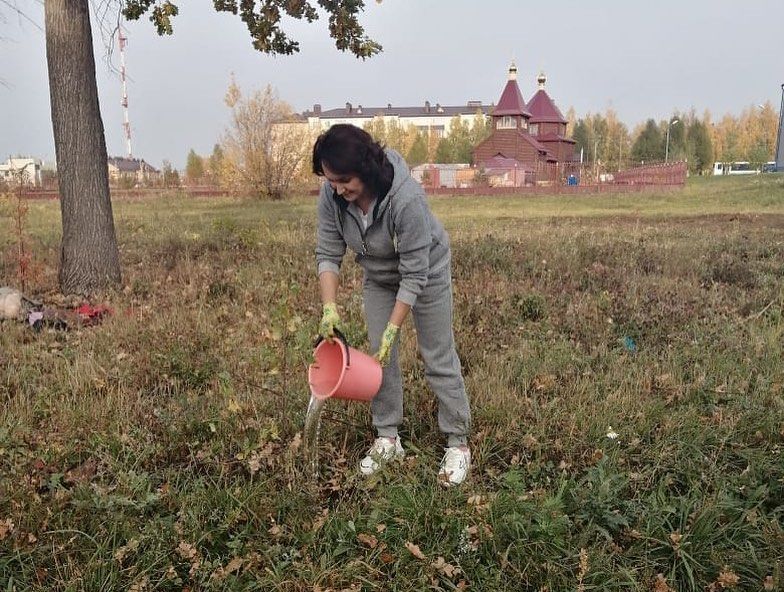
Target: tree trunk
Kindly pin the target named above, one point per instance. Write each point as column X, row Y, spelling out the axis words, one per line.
column 89, row 258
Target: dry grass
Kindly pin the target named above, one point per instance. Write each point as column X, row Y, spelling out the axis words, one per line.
column 160, row 450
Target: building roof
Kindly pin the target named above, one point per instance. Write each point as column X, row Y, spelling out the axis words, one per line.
column 511, row 101
column 131, row 165
column 551, row 137
column 427, row 110
column 543, row 110
column 542, row 107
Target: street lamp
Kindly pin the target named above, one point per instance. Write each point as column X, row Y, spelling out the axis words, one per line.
column 667, row 145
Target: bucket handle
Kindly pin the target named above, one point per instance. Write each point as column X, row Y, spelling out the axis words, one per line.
column 342, row 339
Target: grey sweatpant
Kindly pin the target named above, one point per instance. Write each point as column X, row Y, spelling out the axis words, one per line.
column 433, row 321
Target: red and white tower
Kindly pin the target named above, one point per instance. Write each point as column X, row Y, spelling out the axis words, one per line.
column 123, row 41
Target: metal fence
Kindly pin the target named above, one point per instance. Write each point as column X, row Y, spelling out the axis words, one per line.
column 568, row 177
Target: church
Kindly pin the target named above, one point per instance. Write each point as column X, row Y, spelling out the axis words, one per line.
column 526, row 138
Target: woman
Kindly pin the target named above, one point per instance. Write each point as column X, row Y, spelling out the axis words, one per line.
column 372, row 204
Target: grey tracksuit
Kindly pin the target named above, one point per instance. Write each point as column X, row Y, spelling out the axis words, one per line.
column 405, row 255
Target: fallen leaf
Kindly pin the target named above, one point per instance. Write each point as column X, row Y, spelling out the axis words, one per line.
column 254, row 464
column 727, row 578
column 368, row 540
column 529, row 441
column 186, row 551
column 233, row 565
column 479, row 502
column 660, row 584
column 140, row 585
column 320, row 519
column 387, row 557
column 121, row 553
column 6, row 528
column 415, row 551
column 445, row 568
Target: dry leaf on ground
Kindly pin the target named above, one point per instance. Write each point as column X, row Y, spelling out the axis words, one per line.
column 6, row 528
column 415, row 551
column 445, row 568
column 368, row 540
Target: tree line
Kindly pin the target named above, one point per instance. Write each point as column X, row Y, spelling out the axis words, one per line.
column 603, row 139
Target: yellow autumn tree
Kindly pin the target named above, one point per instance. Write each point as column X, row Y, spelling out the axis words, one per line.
column 266, row 147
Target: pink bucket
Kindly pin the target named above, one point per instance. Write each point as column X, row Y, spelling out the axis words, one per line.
column 342, row 372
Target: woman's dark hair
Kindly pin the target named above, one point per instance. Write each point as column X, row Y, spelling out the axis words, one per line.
column 349, row 150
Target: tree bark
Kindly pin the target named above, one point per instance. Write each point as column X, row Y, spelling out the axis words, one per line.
column 89, row 257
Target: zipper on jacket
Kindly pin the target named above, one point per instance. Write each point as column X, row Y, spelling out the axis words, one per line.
column 365, row 251
column 363, row 234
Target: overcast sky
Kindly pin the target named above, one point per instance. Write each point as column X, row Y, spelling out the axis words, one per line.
column 644, row 59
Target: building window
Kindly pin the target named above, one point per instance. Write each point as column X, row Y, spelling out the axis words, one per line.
column 506, row 122
column 534, row 129
column 437, row 131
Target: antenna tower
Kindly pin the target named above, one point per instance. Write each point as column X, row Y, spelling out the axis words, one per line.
column 780, row 138
column 123, row 41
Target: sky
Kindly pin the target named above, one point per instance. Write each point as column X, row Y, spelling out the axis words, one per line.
column 642, row 59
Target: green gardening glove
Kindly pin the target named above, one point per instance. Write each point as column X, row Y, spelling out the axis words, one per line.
column 387, row 341
column 330, row 321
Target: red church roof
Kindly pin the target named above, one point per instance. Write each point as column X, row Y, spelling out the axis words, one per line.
column 542, row 107
column 511, row 101
column 543, row 110
column 551, row 137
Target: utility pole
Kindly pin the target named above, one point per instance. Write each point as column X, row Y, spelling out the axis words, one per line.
column 123, row 41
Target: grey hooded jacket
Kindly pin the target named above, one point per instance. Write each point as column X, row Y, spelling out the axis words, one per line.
column 403, row 245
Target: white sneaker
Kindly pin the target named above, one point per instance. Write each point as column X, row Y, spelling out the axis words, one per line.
column 384, row 449
column 454, row 466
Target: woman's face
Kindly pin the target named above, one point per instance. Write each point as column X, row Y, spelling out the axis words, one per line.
column 349, row 187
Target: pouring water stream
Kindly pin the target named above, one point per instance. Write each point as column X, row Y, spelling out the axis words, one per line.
column 312, row 432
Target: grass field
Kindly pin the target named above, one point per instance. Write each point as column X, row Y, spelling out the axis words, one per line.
column 162, row 449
